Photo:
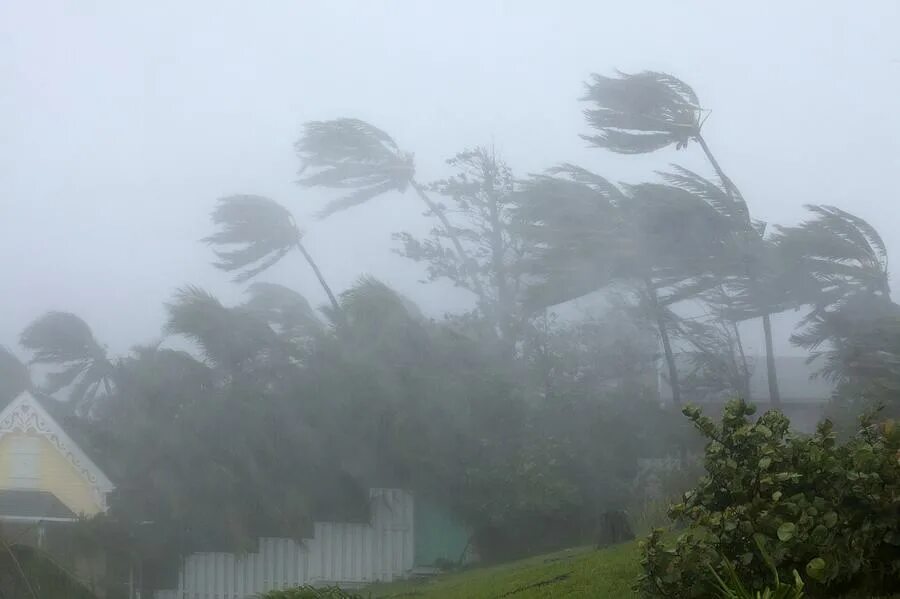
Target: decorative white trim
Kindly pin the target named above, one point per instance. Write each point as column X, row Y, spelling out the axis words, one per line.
column 25, row 414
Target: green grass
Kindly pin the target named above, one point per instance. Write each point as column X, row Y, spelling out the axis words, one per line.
column 577, row 573
column 598, row 574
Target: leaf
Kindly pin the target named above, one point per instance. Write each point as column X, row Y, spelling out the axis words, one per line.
column 787, row 531
column 816, row 569
column 764, row 463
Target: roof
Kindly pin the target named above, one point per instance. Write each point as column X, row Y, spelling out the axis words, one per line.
column 797, row 382
column 26, row 414
column 24, row 504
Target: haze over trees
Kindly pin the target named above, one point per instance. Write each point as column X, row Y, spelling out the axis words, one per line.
column 526, row 424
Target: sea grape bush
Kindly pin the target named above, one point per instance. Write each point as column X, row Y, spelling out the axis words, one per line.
column 829, row 510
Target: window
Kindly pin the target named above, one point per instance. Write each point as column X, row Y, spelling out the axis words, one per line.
column 26, row 463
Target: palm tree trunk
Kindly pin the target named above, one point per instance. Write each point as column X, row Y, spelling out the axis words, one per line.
column 745, row 370
column 454, row 239
column 732, row 190
column 666, row 343
column 338, row 311
column 730, row 187
column 774, row 395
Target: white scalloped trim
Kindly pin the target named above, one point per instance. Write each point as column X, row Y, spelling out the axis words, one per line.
column 26, row 414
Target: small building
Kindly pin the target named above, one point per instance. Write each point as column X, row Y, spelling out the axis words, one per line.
column 47, row 482
column 804, row 396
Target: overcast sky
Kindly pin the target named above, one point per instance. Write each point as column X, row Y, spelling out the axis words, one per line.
column 122, row 122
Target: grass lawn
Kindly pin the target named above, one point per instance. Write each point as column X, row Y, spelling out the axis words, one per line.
column 599, row 574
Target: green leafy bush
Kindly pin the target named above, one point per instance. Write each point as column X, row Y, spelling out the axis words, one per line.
column 733, row 588
column 308, row 592
column 826, row 509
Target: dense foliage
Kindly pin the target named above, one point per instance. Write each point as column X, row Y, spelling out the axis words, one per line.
column 526, row 424
column 827, row 509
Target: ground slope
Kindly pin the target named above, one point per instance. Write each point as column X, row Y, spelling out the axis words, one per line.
column 577, row 573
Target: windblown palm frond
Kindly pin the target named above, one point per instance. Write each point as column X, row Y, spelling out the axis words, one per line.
column 371, row 299
column 383, row 322
column 65, row 340
column 264, row 228
column 575, row 227
column 860, row 337
column 679, row 236
column 643, row 112
column 229, row 338
column 352, row 154
column 14, row 376
column 843, row 253
column 730, row 205
column 283, row 307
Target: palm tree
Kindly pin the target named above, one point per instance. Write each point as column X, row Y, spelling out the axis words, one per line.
column 352, row 154
column 233, row 340
column 65, row 340
column 14, row 376
column 266, row 232
column 648, row 111
column 589, row 234
column 283, row 308
column 847, row 263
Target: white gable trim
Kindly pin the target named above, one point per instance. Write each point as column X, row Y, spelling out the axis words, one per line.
column 25, row 414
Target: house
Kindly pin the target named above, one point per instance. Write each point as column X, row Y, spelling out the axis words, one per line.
column 804, row 395
column 47, row 482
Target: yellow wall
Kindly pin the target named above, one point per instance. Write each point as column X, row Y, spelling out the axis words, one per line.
column 57, row 476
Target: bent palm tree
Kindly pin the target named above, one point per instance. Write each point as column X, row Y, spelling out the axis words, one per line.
column 847, row 263
column 266, row 232
column 588, row 234
column 231, row 339
column 63, row 339
column 644, row 112
column 352, row 154
column 284, row 308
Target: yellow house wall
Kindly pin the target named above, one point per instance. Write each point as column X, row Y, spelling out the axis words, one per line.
column 57, row 476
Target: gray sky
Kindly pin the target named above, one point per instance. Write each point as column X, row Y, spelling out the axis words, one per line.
column 122, row 122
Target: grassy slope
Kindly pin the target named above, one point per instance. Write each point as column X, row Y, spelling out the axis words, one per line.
column 604, row 574
column 578, row 573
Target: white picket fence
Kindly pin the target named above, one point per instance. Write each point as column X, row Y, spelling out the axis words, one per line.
column 344, row 554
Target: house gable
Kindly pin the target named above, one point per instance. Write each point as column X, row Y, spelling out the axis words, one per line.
column 37, row 454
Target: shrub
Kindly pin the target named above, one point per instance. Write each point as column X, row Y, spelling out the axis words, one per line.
column 826, row 509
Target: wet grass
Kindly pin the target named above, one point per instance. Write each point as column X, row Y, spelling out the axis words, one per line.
column 599, row 574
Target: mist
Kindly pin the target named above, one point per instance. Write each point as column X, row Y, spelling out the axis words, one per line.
column 320, row 294
column 124, row 124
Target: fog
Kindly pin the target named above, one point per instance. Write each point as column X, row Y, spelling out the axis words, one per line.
column 123, row 122
column 338, row 293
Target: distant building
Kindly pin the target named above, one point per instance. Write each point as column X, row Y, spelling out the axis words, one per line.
column 803, row 395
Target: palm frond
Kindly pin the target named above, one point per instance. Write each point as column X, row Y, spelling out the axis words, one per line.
column 370, row 297
column 730, row 205
column 575, row 229
column 58, row 338
column 841, row 251
column 283, row 307
column 65, row 340
column 262, row 229
column 642, row 112
column 351, row 154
